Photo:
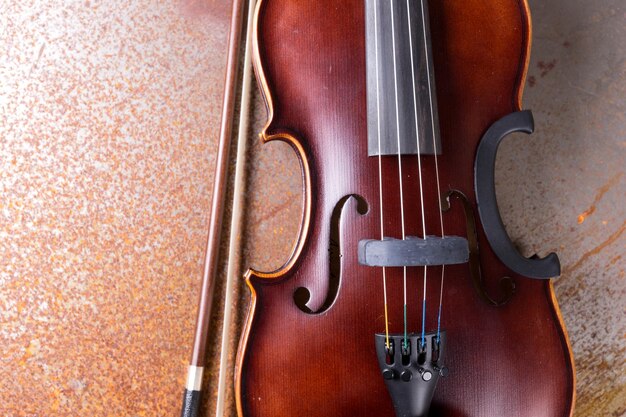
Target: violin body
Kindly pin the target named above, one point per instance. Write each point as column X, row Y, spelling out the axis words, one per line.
column 308, row 344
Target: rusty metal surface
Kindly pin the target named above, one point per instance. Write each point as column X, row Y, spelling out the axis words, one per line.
column 564, row 189
column 108, row 127
column 109, row 117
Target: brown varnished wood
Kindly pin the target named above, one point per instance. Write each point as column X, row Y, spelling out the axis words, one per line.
column 507, row 361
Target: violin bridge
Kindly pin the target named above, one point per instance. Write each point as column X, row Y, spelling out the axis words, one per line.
column 414, row 251
column 411, row 370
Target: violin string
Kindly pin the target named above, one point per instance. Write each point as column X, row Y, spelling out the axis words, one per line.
column 443, row 268
column 395, row 76
column 432, row 120
column 419, row 166
column 380, row 173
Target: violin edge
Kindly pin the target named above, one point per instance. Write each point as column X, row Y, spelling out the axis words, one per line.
column 565, row 340
column 296, row 144
column 549, row 283
column 299, row 244
column 527, row 27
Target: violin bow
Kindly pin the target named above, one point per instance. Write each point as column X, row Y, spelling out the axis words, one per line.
column 193, row 386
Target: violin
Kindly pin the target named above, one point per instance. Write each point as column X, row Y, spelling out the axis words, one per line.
column 403, row 295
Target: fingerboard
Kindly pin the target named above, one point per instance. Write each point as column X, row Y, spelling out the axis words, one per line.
column 401, row 99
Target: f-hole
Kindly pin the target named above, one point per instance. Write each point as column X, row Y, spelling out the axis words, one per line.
column 507, row 286
column 302, row 295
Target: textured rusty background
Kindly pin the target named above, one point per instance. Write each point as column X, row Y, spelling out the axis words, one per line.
column 109, row 117
column 108, row 127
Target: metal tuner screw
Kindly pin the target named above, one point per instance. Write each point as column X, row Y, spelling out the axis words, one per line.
column 426, row 374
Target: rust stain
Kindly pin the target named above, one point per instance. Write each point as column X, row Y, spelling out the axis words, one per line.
column 614, row 261
column 31, row 350
column 192, row 8
column 532, row 81
column 275, row 210
column 546, row 67
column 597, row 249
column 611, row 403
column 585, row 214
column 601, row 192
column 34, row 66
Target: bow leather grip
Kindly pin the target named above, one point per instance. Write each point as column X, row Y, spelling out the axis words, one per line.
column 191, row 404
